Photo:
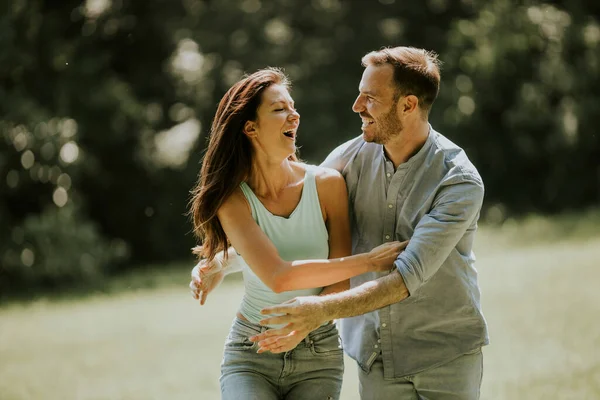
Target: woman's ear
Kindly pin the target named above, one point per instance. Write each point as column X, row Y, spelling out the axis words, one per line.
column 250, row 129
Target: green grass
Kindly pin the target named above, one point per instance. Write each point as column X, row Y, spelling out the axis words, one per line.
column 147, row 339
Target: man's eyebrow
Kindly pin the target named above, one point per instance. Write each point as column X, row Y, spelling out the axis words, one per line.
column 368, row 92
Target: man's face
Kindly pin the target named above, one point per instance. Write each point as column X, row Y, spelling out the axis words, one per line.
column 376, row 104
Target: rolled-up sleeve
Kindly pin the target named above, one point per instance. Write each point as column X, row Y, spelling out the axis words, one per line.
column 455, row 208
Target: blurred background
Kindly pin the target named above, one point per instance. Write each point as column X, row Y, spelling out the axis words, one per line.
column 105, row 107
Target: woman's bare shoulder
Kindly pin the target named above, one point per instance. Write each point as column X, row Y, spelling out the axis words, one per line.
column 322, row 174
column 325, row 175
column 330, row 184
column 235, row 201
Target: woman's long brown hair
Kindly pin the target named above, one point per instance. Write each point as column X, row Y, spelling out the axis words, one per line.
column 228, row 157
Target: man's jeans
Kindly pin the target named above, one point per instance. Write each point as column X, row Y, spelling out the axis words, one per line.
column 459, row 379
column 313, row 370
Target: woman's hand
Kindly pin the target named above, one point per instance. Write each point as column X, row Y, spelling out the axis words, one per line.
column 382, row 257
column 205, row 277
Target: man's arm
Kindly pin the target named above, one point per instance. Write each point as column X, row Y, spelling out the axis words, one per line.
column 365, row 298
column 455, row 209
column 308, row 313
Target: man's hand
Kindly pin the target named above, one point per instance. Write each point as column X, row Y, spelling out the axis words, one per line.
column 300, row 315
column 277, row 342
column 205, row 277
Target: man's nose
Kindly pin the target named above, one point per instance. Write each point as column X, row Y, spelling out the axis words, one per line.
column 358, row 105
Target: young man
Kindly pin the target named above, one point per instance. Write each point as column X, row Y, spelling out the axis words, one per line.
column 416, row 332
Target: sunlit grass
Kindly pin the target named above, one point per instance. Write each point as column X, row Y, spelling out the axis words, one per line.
column 147, row 339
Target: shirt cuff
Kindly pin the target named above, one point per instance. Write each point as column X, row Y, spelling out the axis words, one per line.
column 235, row 263
column 408, row 268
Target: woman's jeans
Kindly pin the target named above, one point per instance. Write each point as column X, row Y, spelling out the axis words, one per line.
column 311, row 371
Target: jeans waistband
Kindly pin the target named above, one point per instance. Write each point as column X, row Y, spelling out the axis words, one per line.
column 250, row 329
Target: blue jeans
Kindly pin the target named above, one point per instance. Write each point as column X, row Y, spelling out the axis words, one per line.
column 313, row 370
column 459, row 379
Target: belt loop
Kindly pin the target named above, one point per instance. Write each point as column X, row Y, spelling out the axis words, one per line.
column 307, row 340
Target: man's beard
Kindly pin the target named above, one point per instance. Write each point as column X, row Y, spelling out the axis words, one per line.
column 388, row 126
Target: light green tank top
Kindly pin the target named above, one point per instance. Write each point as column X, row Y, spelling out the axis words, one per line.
column 301, row 236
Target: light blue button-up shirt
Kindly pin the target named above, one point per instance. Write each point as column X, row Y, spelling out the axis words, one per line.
column 433, row 199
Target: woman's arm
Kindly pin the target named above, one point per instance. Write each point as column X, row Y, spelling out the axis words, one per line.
column 334, row 206
column 280, row 275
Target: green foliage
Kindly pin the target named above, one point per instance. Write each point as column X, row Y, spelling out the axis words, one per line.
column 521, row 95
column 85, row 91
column 55, row 248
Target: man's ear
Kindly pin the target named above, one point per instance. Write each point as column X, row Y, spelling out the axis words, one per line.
column 250, row 129
column 410, row 104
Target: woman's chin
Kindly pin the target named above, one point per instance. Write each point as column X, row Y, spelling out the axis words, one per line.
column 291, row 148
column 288, row 152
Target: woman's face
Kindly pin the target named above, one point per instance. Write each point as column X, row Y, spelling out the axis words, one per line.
column 274, row 131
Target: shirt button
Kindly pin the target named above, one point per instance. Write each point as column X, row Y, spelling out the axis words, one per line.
column 376, row 346
column 390, row 206
column 388, row 174
column 387, row 236
column 383, row 325
column 378, row 340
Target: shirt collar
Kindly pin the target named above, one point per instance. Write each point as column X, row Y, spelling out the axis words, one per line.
column 417, row 158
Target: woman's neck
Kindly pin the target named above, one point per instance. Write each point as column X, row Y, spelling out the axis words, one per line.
column 269, row 177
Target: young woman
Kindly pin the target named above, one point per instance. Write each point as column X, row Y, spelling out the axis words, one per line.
column 289, row 222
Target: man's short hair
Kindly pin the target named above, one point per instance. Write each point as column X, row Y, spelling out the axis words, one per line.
column 416, row 71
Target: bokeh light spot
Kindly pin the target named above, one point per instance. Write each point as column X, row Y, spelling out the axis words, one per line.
column 250, row 6
column 27, row 257
column 20, row 141
column 69, row 152
column 27, row 159
column 278, row 32
column 64, row 181
column 95, row 8
column 47, row 151
column 391, row 28
column 60, row 197
column 12, row 179
column 466, row 105
column 68, row 128
column 464, row 83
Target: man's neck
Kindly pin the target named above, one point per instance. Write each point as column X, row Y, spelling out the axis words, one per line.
column 401, row 148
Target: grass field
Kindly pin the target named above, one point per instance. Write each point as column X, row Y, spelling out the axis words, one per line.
column 541, row 296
